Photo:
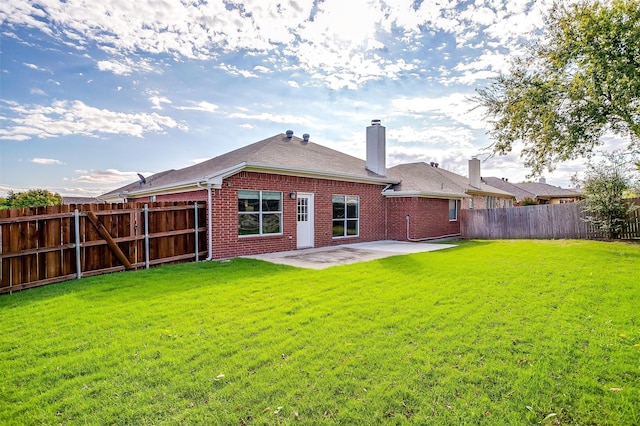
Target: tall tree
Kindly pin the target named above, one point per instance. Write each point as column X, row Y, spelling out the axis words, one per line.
column 578, row 81
column 605, row 186
column 31, row 198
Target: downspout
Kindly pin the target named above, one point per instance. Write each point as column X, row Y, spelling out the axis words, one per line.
column 386, row 212
column 209, row 221
column 417, row 240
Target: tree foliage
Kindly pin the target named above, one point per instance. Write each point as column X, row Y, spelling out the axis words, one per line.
column 578, row 81
column 605, row 186
column 31, row 198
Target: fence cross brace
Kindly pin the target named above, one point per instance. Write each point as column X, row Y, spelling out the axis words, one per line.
column 107, row 237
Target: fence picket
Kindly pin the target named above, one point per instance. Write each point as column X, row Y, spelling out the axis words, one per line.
column 39, row 246
column 539, row 222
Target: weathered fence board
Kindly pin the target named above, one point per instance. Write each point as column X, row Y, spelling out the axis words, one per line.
column 551, row 221
column 38, row 246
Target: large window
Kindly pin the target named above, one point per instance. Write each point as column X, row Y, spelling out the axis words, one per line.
column 453, row 210
column 259, row 212
column 346, row 215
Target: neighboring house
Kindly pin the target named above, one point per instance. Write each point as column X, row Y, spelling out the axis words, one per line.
column 540, row 192
column 285, row 193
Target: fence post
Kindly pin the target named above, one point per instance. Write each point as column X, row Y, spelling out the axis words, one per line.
column 195, row 213
column 76, row 215
column 146, row 236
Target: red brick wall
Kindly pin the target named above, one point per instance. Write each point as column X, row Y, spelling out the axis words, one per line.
column 429, row 218
column 227, row 242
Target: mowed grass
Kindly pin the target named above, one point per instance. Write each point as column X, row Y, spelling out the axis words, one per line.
column 501, row 332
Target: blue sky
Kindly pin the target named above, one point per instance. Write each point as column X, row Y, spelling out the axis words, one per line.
column 94, row 92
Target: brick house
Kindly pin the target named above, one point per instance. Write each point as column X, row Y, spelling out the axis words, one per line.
column 540, row 192
column 285, row 193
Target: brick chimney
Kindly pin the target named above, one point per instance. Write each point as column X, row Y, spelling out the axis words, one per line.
column 376, row 148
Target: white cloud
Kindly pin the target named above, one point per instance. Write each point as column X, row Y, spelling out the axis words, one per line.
column 108, row 176
column 200, row 106
column 233, row 70
column 46, row 161
column 63, row 118
column 34, row 67
column 157, row 100
column 127, row 65
column 262, row 69
column 452, row 137
column 338, row 43
column 274, row 118
column 457, row 106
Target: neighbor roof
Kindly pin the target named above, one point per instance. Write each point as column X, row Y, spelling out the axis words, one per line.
column 424, row 179
column 277, row 154
column 532, row 190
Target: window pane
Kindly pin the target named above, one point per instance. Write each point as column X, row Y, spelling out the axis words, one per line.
column 248, row 224
column 338, row 228
column 338, row 209
column 453, row 210
column 248, row 201
column 352, row 207
column 271, row 201
column 271, row 223
column 352, row 227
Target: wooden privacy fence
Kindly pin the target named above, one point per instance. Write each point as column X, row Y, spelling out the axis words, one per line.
column 50, row 244
column 551, row 221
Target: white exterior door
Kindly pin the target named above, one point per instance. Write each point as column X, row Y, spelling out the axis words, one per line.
column 305, row 220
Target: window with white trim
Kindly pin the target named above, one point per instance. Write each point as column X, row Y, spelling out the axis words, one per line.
column 346, row 215
column 259, row 212
column 453, row 210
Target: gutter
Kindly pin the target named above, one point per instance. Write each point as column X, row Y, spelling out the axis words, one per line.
column 425, row 194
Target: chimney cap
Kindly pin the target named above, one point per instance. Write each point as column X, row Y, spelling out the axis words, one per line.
column 375, row 122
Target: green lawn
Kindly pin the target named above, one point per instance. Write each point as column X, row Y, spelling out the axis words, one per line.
column 504, row 332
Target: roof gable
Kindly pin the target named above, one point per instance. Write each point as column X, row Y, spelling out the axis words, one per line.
column 279, row 153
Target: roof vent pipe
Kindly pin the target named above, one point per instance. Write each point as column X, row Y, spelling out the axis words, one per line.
column 305, row 137
column 289, row 134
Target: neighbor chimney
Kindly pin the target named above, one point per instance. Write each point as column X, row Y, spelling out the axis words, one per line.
column 474, row 172
column 376, row 152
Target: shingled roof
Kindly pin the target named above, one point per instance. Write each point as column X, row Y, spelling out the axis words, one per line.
column 277, row 154
column 427, row 180
column 535, row 190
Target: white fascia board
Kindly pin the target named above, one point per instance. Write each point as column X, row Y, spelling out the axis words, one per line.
column 497, row 193
column 425, row 194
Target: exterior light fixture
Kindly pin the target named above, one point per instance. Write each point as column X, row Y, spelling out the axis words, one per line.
column 292, row 195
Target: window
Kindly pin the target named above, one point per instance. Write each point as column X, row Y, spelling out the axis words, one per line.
column 346, row 215
column 492, row 202
column 259, row 212
column 453, row 210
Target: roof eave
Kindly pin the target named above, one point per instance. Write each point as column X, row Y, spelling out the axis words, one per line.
column 425, row 194
column 300, row 172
